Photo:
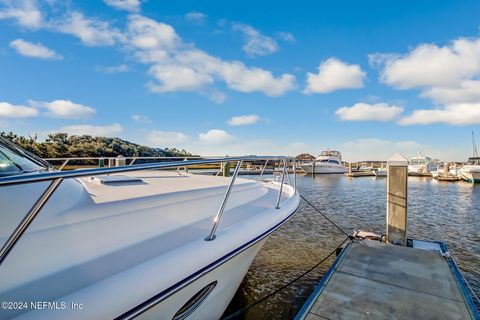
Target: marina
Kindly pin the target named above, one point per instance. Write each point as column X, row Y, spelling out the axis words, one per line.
column 239, row 160
column 308, row 238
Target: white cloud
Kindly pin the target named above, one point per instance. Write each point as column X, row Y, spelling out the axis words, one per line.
column 86, row 129
column 334, row 74
column 448, row 75
column 379, row 149
column 141, row 118
column 286, row 36
column 466, row 91
column 217, row 97
column 8, row 110
column 177, row 66
column 25, row 12
column 195, row 17
column 35, row 50
column 147, row 34
column 455, row 114
column 260, row 146
column 256, row 44
column 128, row 5
column 65, row 109
column 92, row 32
column 178, row 78
column 173, row 64
column 429, row 65
column 112, row 69
column 215, row 136
column 165, row 138
column 243, row 120
column 369, row 112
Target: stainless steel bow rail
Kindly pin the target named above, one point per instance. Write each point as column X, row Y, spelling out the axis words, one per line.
column 56, row 177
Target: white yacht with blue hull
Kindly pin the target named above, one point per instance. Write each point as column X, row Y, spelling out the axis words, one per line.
column 136, row 243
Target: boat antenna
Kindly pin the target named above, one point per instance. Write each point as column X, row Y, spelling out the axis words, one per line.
column 475, row 152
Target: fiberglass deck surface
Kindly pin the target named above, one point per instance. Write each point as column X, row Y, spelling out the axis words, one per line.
column 374, row 280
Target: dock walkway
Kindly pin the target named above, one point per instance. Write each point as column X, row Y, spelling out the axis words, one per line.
column 374, row 280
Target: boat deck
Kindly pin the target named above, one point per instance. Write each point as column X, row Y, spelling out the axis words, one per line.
column 374, row 280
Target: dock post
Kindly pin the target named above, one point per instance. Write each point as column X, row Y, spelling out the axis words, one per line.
column 397, row 177
column 226, row 169
column 349, row 168
column 446, row 169
column 313, row 167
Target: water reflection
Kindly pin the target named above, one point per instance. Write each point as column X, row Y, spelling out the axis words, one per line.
column 437, row 211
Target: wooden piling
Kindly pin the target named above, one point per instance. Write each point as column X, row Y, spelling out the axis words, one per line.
column 397, row 177
column 226, row 169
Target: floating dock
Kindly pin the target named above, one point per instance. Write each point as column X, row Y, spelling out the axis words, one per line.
column 448, row 178
column 373, row 280
column 355, row 174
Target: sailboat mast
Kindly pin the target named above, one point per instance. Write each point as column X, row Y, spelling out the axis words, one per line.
column 475, row 153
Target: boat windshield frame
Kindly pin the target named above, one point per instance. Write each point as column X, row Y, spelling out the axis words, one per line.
column 474, row 161
column 15, row 161
column 331, row 153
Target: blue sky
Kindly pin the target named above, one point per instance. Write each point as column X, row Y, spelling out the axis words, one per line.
column 249, row 77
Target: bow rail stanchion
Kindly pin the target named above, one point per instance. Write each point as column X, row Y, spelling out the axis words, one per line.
column 281, row 184
column 216, row 221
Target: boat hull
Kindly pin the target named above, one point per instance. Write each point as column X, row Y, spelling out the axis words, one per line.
column 323, row 169
column 228, row 277
column 470, row 175
column 141, row 279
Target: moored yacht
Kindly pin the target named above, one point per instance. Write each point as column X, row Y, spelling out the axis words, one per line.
column 471, row 171
column 129, row 242
column 329, row 161
column 421, row 164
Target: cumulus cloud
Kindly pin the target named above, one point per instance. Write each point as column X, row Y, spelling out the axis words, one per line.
column 178, row 78
column 165, row 138
column 127, row 5
column 369, row 112
column 334, row 74
column 215, row 136
column 177, row 66
column 243, row 120
column 141, row 118
column 91, row 31
column 86, row 129
column 217, row 97
column 196, row 17
column 112, row 69
column 428, row 65
column 34, row 50
column 173, row 64
column 256, row 44
column 25, row 12
column 8, row 110
column 286, row 36
column 448, row 75
column 65, row 109
column 455, row 114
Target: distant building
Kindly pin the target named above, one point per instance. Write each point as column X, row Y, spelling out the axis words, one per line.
column 305, row 157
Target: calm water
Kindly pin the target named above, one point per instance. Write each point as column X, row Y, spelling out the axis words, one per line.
column 437, row 211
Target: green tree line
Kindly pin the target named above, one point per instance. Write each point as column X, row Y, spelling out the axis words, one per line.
column 62, row 145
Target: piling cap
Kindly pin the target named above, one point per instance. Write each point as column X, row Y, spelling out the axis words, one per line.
column 397, row 160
